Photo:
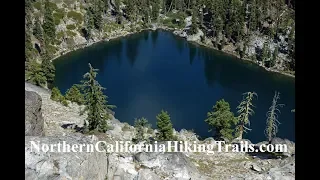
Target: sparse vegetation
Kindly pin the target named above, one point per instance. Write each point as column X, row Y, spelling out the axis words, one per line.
column 75, row 15
column 71, row 33
column 58, row 15
column 37, row 5
column 71, row 26
column 126, row 127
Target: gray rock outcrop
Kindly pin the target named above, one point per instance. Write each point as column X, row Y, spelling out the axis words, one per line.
column 63, row 165
column 173, row 165
column 196, row 37
column 289, row 144
column 33, row 116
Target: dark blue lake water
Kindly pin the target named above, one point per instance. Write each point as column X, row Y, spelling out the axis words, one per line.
column 150, row 71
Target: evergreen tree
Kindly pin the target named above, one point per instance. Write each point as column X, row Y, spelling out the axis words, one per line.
column 164, row 126
column 48, row 24
column 264, row 53
column 140, row 126
column 28, row 6
column 105, row 4
column 216, row 19
column 274, row 57
column 56, row 95
column 34, row 74
column 155, row 10
column 74, row 95
column 89, row 22
column 96, row 102
column 195, row 14
column 48, row 68
column 253, row 19
column 272, row 117
column 29, row 51
column 131, row 9
column 245, row 110
column 222, row 120
column 193, row 29
column 97, row 16
column 37, row 31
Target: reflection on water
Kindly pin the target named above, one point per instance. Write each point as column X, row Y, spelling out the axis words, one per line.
column 150, row 71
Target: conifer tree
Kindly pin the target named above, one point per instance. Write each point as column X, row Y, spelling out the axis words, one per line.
column 48, row 26
column 97, row 16
column 193, row 28
column 222, row 120
column 74, row 95
column 56, row 95
column 155, row 10
column 140, row 126
column 37, row 31
column 48, row 68
column 272, row 117
column 245, row 110
column 164, row 126
column 96, row 102
column 264, row 53
column 29, row 51
column 34, row 74
column 274, row 57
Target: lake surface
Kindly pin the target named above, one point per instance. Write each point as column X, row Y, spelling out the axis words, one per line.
column 150, row 71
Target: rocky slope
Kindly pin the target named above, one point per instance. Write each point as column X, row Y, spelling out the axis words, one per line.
column 60, row 123
column 69, row 17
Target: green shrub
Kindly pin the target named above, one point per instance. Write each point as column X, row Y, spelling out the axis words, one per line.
column 34, row 74
column 58, row 15
column 56, row 95
column 74, row 95
column 193, row 29
column 57, row 42
column 60, row 34
column 53, row 6
column 150, row 131
column 126, row 127
column 109, row 27
column 71, row 33
column 75, row 15
column 71, row 26
column 179, row 15
column 52, row 49
column 37, row 5
column 64, row 102
column 69, row 2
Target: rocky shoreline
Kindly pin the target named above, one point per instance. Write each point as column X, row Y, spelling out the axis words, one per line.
column 178, row 32
column 50, row 122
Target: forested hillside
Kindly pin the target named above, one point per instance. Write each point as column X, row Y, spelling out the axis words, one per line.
column 260, row 30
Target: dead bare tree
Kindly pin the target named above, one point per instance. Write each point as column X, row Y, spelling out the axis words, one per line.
column 272, row 117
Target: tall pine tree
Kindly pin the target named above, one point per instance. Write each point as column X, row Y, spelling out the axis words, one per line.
column 222, row 120
column 164, row 126
column 48, row 68
column 96, row 102
column 37, row 30
column 48, row 26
